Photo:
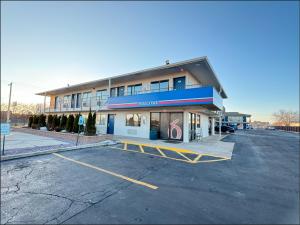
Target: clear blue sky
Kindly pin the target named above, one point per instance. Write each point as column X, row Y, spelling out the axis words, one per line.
column 253, row 46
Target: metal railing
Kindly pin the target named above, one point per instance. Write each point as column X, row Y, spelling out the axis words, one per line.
column 98, row 103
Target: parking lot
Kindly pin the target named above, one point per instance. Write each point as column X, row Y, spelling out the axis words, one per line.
column 122, row 184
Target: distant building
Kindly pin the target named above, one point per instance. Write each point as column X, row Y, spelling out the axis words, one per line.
column 260, row 124
column 237, row 120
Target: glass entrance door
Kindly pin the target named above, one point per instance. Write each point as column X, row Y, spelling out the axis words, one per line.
column 164, row 125
column 175, row 126
column 170, row 125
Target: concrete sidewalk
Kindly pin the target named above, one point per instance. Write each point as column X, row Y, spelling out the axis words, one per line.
column 19, row 143
column 212, row 145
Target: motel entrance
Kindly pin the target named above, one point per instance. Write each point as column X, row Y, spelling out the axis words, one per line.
column 168, row 124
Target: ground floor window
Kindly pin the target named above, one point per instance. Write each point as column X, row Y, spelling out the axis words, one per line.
column 198, row 121
column 101, row 119
column 192, row 125
column 133, row 120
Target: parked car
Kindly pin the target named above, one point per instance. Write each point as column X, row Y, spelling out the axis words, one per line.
column 270, row 128
column 225, row 129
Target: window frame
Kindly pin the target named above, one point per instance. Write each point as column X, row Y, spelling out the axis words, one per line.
column 135, row 123
column 159, row 85
column 133, row 89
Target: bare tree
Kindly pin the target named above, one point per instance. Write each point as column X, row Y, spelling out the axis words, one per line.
column 285, row 118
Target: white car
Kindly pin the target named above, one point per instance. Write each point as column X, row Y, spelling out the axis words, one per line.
column 270, row 128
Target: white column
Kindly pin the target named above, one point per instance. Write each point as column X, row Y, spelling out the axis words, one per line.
column 185, row 127
column 220, row 125
column 212, row 126
column 45, row 103
column 109, row 86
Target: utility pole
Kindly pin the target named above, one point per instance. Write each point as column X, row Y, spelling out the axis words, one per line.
column 9, row 100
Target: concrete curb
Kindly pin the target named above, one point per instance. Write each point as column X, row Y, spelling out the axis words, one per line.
column 46, row 152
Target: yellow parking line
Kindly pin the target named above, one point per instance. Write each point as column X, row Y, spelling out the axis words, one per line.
column 213, row 160
column 184, row 156
column 141, row 148
column 197, row 158
column 161, row 147
column 163, row 154
column 108, row 172
column 182, row 160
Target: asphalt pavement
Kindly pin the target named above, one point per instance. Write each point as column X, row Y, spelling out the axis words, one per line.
column 260, row 184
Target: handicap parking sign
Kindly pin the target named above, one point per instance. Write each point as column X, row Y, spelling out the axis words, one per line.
column 81, row 120
column 5, row 128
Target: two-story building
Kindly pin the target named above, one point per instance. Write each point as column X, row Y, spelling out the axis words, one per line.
column 178, row 100
column 236, row 120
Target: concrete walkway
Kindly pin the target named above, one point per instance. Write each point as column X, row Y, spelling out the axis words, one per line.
column 18, row 142
column 212, row 145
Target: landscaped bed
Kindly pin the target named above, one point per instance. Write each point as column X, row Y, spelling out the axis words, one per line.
column 68, row 137
column 65, row 128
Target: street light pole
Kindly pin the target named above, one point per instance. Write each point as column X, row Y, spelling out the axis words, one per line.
column 9, row 100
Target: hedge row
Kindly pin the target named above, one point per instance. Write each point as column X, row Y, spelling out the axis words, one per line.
column 59, row 123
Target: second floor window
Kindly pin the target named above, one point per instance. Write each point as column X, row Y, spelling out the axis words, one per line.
column 86, row 99
column 158, row 86
column 56, row 102
column 134, row 89
column 78, row 100
column 67, row 101
column 117, row 91
column 101, row 96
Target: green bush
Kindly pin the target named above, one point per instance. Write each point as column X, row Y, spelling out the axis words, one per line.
column 35, row 122
column 49, row 122
column 30, row 119
column 42, row 120
column 75, row 125
column 70, row 123
column 56, row 123
column 90, row 124
column 53, row 122
column 63, row 122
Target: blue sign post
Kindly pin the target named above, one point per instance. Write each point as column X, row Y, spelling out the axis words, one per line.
column 80, row 123
column 5, row 130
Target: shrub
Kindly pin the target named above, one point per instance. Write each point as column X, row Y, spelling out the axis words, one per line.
column 70, row 123
column 42, row 120
column 94, row 118
column 49, row 122
column 63, row 122
column 55, row 123
column 75, row 125
column 35, row 122
column 90, row 124
column 30, row 119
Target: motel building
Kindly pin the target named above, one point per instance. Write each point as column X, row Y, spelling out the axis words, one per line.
column 237, row 120
column 177, row 101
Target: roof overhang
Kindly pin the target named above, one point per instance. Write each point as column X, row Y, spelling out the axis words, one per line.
column 200, row 68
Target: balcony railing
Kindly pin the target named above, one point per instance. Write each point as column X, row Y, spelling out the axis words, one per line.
column 98, row 103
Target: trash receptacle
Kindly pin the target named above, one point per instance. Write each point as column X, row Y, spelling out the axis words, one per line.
column 153, row 134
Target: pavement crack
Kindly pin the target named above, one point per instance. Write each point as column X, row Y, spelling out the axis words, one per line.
column 110, row 193
column 55, row 195
column 30, row 172
column 13, row 216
